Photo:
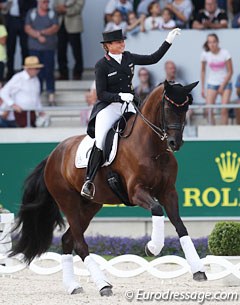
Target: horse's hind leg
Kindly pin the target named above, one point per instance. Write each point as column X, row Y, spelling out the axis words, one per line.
column 69, row 281
column 155, row 245
column 192, row 257
column 79, row 213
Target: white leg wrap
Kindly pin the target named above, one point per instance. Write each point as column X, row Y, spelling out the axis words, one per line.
column 68, row 273
column 191, row 255
column 97, row 275
column 156, row 243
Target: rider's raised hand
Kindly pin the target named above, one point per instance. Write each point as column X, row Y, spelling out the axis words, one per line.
column 172, row 34
column 126, row 97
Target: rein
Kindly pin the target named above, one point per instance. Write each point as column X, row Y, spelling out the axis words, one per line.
column 161, row 133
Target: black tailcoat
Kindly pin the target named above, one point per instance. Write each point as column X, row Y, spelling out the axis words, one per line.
column 113, row 78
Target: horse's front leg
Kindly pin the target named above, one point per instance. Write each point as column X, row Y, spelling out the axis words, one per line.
column 141, row 197
column 192, row 257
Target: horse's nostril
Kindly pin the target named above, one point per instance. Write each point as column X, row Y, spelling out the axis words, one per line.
column 172, row 143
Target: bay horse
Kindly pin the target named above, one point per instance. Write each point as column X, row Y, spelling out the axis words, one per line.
column 148, row 170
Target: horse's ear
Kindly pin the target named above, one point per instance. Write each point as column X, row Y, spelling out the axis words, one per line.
column 166, row 85
column 188, row 88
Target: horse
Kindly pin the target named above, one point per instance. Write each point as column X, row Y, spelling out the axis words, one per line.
column 147, row 166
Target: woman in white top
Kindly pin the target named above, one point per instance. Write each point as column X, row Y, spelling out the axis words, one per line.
column 220, row 70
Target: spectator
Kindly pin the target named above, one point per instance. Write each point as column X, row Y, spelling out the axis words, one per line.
column 124, row 6
column 71, row 27
column 171, row 72
column 117, row 23
column 135, row 25
column 3, row 55
column 211, row 17
column 7, row 118
column 16, row 11
column 237, row 111
column 154, row 20
column 91, row 99
column 234, row 6
column 42, row 26
column 236, row 21
column 182, row 10
column 197, row 6
column 219, row 64
column 22, row 92
column 142, row 8
column 167, row 20
column 145, row 83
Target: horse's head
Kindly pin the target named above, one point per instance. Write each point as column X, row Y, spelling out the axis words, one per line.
column 175, row 102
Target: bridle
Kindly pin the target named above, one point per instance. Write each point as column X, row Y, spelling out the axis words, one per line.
column 161, row 131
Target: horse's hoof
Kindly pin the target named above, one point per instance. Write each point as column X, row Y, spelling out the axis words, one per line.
column 200, row 276
column 77, row 290
column 106, row 291
column 148, row 252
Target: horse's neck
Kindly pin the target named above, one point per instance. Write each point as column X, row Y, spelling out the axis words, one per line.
column 151, row 112
column 151, row 109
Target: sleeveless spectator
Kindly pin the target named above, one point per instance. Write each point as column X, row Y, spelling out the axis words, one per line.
column 135, row 25
column 117, row 23
column 15, row 12
column 3, row 55
column 167, row 20
column 153, row 21
column 181, row 10
column 41, row 26
column 71, row 27
column 211, row 17
column 124, row 6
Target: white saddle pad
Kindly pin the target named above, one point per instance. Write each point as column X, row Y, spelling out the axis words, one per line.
column 84, row 150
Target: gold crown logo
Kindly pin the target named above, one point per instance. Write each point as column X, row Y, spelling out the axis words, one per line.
column 228, row 165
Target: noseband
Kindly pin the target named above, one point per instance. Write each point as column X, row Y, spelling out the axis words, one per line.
column 175, row 126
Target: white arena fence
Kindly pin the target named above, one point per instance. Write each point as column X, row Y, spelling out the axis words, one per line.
column 42, row 266
column 227, row 268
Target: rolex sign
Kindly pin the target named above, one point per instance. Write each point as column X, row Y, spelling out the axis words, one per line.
column 209, row 179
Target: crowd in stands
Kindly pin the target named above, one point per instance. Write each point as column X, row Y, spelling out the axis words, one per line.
column 46, row 28
column 167, row 14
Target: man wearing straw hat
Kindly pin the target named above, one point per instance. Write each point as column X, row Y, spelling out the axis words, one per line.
column 22, row 92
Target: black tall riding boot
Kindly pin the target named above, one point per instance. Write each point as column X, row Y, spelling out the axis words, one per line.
column 95, row 159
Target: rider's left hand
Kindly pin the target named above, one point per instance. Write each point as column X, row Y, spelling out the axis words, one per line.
column 172, row 34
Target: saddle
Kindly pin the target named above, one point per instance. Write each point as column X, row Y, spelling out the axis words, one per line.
column 109, row 153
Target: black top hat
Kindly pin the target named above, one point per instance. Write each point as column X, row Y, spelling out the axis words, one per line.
column 112, row 36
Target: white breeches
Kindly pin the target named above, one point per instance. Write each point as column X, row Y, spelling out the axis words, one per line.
column 106, row 118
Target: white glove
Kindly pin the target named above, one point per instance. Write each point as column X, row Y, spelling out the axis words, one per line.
column 126, row 97
column 172, row 34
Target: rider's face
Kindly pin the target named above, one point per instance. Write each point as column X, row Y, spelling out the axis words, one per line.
column 116, row 47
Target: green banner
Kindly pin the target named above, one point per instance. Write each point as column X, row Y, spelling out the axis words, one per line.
column 208, row 178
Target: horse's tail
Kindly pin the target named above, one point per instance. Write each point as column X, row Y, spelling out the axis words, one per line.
column 37, row 218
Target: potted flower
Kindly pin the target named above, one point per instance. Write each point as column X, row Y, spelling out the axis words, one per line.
column 224, row 241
